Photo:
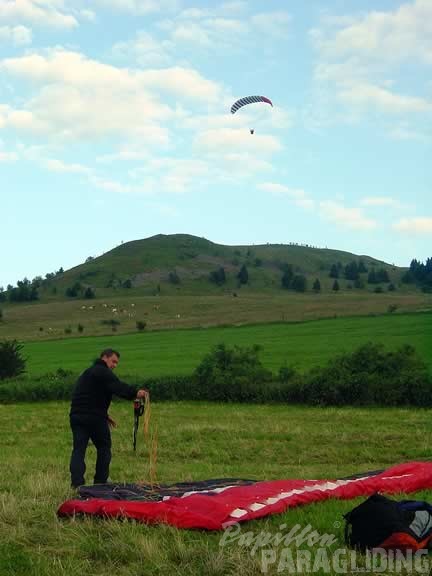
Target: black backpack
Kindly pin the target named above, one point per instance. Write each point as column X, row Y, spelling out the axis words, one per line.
column 379, row 522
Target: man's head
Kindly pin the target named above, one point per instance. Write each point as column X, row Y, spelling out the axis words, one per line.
column 110, row 357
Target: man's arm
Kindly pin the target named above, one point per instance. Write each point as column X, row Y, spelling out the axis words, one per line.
column 124, row 390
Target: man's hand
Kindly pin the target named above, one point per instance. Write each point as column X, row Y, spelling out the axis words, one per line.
column 111, row 423
column 143, row 394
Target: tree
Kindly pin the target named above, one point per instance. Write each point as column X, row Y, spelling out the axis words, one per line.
column 372, row 277
column 218, row 276
column 316, row 286
column 287, row 276
column 243, row 275
column 351, row 271
column 362, row 267
column 12, row 362
column 299, row 283
column 73, row 291
column 334, row 271
column 24, row 292
column 336, row 286
column 382, row 275
column 127, row 283
column 89, row 293
column 173, row 277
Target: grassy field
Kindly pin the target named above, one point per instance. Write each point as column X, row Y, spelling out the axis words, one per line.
column 195, row 442
column 178, row 352
column 45, row 321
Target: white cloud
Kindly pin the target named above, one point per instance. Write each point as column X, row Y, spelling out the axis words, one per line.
column 352, row 218
column 225, row 26
column 272, row 23
column 207, row 32
column 394, row 36
column 7, row 157
column 406, row 133
column 17, row 35
column 379, row 201
column 234, row 7
column 361, row 61
column 235, row 139
column 384, row 100
column 76, row 97
column 297, row 195
column 414, row 225
column 115, row 186
column 88, row 15
column 244, row 163
column 140, row 6
column 54, row 165
column 48, row 13
column 145, row 50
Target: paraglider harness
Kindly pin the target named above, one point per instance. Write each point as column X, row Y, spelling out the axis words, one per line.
column 380, row 522
column 138, row 412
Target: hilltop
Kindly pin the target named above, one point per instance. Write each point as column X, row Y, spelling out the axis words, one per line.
column 181, row 263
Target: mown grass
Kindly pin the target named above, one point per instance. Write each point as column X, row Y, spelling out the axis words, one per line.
column 178, row 352
column 195, row 441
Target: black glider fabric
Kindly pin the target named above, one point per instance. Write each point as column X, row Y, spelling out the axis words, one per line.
column 156, row 492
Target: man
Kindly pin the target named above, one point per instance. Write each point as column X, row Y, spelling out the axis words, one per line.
column 89, row 417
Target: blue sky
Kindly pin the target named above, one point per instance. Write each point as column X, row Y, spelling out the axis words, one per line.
column 115, row 125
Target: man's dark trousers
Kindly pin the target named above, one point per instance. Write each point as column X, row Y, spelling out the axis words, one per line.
column 96, row 429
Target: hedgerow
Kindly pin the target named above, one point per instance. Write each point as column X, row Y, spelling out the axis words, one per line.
column 368, row 376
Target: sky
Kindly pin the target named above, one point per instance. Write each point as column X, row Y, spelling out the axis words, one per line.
column 115, row 125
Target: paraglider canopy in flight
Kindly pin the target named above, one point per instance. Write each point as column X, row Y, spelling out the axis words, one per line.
column 249, row 100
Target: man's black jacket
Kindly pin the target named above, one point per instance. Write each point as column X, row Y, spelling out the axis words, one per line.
column 94, row 390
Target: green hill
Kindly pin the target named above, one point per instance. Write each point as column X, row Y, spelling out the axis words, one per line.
column 163, row 282
column 183, row 263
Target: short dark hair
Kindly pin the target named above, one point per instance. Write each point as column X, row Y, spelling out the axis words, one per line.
column 108, row 352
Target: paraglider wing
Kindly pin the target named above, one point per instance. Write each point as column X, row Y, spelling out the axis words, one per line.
column 218, row 503
column 249, row 100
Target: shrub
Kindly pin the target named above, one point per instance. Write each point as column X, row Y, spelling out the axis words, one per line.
column 12, row 363
column 52, row 386
column 140, row 324
column 80, row 328
column 286, row 373
column 232, row 374
column 111, row 322
column 371, row 376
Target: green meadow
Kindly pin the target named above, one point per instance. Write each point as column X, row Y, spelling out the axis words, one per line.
column 195, row 441
column 178, row 352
